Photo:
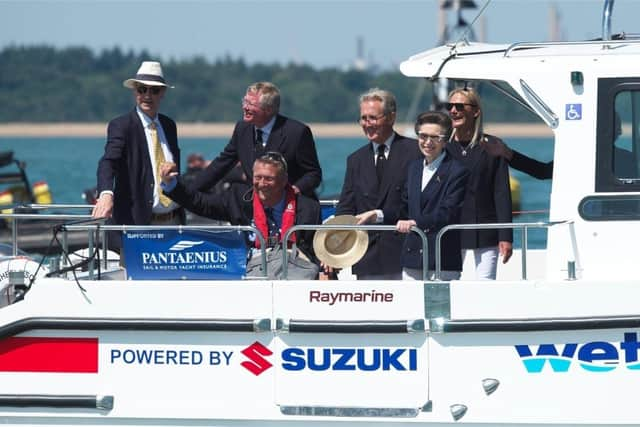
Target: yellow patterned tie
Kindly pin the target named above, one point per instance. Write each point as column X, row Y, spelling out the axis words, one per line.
column 159, row 158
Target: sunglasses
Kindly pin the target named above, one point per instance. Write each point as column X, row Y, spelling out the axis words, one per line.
column 153, row 89
column 459, row 105
column 274, row 156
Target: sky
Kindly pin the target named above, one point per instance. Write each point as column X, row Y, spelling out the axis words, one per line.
column 319, row 33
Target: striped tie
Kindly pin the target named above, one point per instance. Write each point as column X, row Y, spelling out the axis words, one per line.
column 159, row 158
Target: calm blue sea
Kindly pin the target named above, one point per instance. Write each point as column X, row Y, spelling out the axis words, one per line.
column 68, row 165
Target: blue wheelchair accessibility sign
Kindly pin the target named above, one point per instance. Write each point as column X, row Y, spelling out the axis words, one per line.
column 573, row 112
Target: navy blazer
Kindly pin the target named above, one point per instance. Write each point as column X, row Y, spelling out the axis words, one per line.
column 126, row 169
column 438, row 205
column 488, row 196
column 289, row 137
column 361, row 193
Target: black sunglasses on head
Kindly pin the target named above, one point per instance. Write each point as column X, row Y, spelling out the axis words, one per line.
column 274, row 156
column 153, row 89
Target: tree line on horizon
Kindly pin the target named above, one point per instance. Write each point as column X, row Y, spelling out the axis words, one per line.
column 75, row 84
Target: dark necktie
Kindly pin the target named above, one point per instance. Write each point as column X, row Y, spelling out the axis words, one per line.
column 380, row 161
column 272, row 225
column 259, row 142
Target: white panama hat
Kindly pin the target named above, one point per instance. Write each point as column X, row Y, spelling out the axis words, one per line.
column 149, row 74
column 340, row 248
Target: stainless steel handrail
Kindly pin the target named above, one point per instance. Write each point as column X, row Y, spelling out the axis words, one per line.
column 549, row 116
column 524, row 226
column 285, row 239
column 16, row 217
column 529, row 45
column 606, row 20
column 250, row 228
column 56, row 206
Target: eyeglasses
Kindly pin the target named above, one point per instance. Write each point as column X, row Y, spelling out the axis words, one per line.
column 459, row 105
column 247, row 103
column 153, row 89
column 370, row 119
column 431, row 138
column 274, row 156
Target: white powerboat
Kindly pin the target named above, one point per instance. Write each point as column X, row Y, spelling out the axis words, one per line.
column 554, row 341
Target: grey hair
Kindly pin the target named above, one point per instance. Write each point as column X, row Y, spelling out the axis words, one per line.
column 387, row 99
column 269, row 95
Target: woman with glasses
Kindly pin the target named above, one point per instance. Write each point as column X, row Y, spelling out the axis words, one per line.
column 435, row 191
column 488, row 196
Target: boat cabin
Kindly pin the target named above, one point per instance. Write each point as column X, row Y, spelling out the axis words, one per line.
column 588, row 93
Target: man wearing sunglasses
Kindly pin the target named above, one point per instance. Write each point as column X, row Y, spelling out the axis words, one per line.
column 264, row 129
column 137, row 144
column 270, row 203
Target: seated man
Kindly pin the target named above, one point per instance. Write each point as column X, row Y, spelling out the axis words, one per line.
column 270, row 204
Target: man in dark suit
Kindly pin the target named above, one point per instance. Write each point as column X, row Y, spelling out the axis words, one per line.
column 137, row 143
column 270, row 204
column 374, row 181
column 262, row 130
column 435, row 193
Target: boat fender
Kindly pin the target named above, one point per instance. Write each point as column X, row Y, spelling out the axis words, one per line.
column 41, row 193
column 26, row 268
column 6, row 198
column 514, row 185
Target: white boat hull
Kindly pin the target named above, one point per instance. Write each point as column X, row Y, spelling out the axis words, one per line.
column 296, row 353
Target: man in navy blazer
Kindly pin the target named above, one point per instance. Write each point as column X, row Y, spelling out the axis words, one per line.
column 373, row 184
column 263, row 130
column 435, row 193
column 128, row 173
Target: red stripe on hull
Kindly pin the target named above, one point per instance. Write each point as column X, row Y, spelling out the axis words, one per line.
column 49, row 354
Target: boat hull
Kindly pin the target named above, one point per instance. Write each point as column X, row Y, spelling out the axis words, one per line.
column 294, row 353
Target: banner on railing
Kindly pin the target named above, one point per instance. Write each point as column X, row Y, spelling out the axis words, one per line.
column 189, row 254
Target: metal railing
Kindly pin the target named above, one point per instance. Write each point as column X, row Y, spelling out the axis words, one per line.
column 285, row 239
column 97, row 226
column 180, row 228
column 524, row 226
column 17, row 217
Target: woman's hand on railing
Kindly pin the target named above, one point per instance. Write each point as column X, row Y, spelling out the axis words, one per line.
column 404, row 225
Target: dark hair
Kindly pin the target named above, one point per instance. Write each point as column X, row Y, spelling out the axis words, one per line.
column 275, row 159
column 437, row 118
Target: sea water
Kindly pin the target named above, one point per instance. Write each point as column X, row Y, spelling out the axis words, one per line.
column 68, row 165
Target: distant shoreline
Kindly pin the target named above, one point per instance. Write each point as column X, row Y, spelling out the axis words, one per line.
column 223, row 130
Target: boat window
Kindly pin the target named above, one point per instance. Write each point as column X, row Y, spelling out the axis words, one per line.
column 618, row 136
column 610, row 208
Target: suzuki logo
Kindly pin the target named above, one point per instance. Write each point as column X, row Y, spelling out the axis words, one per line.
column 257, row 364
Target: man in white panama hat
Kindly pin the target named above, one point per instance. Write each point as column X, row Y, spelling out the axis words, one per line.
column 137, row 144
